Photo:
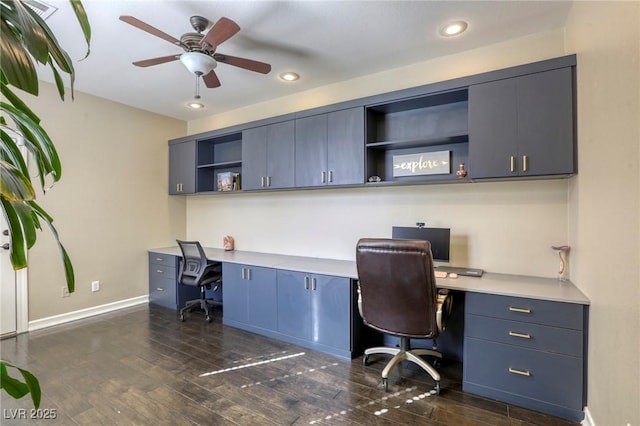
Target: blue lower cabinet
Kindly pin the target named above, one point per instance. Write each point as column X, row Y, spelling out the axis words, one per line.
column 249, row 296
column 164, row 289
column 315, row 309
column 162, row 280
column 526, row 352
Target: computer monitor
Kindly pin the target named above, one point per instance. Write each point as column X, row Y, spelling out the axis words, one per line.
column 439, row 238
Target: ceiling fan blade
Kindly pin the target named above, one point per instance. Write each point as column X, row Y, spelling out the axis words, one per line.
column 221, row 31
column 148, row 28
column 211, row 80
column 156, row 61
column 248, row 64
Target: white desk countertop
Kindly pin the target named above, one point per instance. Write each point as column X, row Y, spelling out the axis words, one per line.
column 491, row 283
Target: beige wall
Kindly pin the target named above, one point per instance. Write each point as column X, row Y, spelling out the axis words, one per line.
column 111, row 204
column 603, row 201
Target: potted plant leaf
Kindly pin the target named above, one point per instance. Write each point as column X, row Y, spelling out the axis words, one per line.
column 25, row 40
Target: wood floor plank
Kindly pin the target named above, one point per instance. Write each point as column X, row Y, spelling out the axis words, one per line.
column 142, row 366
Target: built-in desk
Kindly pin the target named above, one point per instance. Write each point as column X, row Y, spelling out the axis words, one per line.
column 525, row 338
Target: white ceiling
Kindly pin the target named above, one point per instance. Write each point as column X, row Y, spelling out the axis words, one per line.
column 323, row 41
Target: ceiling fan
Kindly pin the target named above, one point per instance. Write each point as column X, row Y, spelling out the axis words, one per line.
column 200, row 56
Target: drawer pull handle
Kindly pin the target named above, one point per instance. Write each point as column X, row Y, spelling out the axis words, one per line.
column 520, row 310
column 158, row 259
column 520, row 372
column 160, row 289
column 521, row 335
column 160, row 271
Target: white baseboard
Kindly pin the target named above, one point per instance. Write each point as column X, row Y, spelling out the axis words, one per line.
column 86, row 313
column 588, row 420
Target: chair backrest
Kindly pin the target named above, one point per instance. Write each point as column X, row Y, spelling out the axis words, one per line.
column 194, row 262
column 398, row 286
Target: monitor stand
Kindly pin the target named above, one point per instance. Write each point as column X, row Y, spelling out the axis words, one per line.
column 468, row 272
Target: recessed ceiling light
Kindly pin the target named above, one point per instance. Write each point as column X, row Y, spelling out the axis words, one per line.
column 289, row 76
column 453, row 28
column 195, row 105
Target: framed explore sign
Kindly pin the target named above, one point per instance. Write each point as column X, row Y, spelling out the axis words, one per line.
column 423, row 163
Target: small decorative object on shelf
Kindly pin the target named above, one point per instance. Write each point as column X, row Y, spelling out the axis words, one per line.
column 374, row 179
column 228, row 243
column 563, row 273
column 462, row 171
column 236, row 181
column 225, row 181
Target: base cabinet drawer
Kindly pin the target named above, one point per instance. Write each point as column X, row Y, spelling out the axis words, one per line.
column 557, row 314
column 535, row 379
column 533, row 336
column 162, row 291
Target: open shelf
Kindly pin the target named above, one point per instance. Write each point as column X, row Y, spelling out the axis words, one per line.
column 412, row 143
column 216, row 155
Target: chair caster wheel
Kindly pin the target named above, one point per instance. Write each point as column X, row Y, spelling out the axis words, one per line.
column 385, row 384
column 365, row 360
column 208, row 318
column 181, row 317
column 437, row 388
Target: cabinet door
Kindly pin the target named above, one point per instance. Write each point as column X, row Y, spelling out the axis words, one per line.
column 281, row 155
column 262, row 300
column 254, row 158
column 345, row 146
column 234, row 293
column 182, row 168
column 311, row 151
column 331, row 311
column 493, row 133
column 522, row 126
column 545, row 123
column 294, row 304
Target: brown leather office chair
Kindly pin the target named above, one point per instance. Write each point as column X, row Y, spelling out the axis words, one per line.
column 398, row 296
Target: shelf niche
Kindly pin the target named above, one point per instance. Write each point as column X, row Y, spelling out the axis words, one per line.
column 437, row 122
column 217, row 155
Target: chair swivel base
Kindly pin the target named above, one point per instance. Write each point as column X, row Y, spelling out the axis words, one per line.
column 399, row 355
column 202, row 304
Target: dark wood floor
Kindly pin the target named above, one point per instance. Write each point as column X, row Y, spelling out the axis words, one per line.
column 142, row 366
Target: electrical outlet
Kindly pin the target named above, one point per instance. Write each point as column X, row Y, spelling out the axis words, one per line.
column 65, row 291
column 95, row 286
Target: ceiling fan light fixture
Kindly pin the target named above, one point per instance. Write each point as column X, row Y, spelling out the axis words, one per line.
column 195, row 105
column 453, row 28
column 198, row 63
column 289, row 76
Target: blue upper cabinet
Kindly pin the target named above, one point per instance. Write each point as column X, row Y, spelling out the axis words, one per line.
column 523, row 126
column 182, row 168
column 330, row 149
column 512, row 123
column 268, row 155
